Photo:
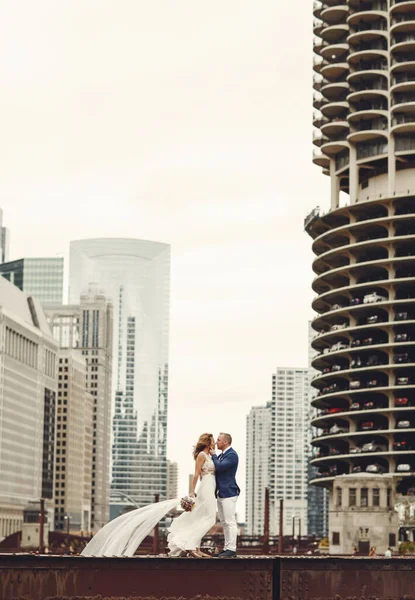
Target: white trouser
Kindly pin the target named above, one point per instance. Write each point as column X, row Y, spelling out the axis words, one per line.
column 227, row 516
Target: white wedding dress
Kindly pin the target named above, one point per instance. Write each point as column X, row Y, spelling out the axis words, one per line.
column 123, row 535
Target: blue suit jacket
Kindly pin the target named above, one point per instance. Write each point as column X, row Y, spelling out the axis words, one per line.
column 226, row 486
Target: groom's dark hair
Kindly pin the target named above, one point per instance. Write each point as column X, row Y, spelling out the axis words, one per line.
column 227, row 437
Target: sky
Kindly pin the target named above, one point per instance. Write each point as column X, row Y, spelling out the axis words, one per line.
column 187, row 123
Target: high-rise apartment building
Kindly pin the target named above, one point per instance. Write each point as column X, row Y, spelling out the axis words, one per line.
column 28, row 386
column 4, row 240
column 365, row 248
column 135, row 274
column 290, row 439
column 172, row 480
column 258, row 463
column 88, row 328
column 74, row 440
column 41, row 278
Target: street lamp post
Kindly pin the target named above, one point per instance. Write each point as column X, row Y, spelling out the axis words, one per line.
column 68, row 523
column 41, row 526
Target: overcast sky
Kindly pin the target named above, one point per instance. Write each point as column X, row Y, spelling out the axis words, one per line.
column 183, row 122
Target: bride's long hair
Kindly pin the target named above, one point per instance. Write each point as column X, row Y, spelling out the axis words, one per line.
column 206, row 439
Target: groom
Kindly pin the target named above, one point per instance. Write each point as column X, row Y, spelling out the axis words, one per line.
column 227, row 492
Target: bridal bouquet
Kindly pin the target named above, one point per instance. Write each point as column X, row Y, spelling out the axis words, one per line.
column 187, row 503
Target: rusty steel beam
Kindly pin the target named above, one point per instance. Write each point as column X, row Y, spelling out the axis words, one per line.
column 351, row 578
column 31, row 577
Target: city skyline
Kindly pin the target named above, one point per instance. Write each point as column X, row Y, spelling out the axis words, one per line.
column 187, row 140
column 135, row 276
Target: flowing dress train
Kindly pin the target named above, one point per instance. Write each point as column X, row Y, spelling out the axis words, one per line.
column 123, row 535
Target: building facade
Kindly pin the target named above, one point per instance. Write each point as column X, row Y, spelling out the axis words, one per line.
column 4, row 240
column 365, row 249
column 28, row 386
column 362, row 514
column 88, row 328
column 74, row 442
column 135, row 274
column 258, row 462
column 172, row 480
column 41, row 278
column 290, row 439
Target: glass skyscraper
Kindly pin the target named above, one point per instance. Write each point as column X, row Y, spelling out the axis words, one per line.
column 135, row 276
column 41, row 278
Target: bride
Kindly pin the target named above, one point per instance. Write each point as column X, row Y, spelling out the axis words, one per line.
column 123, row 535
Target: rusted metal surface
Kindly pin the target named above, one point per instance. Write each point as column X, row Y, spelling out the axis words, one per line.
column 310, row 578
column 27, row 577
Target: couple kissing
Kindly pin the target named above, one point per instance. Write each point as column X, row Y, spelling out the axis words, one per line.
column 217, row 490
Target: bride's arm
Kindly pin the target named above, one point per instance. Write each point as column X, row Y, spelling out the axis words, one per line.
column 198, row 469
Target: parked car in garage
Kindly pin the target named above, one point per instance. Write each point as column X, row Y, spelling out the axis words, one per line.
column 404, row 468
column 403, row 380
column 402, row 337
column 401, row 316
column 402, row 401
column 401, row 358
column 338, row 429
column 369, row 426
column 375, row 468
column 374, row 447
column 401, row 445
column 339, row 346
column 373, row 297
column 403, row 424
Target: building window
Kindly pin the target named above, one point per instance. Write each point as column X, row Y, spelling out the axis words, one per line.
column 376, row 496
column 336, row 538
column 392, row 539
column 388, row 497
column 364, row 497
column 352, row 497
column 338, row 496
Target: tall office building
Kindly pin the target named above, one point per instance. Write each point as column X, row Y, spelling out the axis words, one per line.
column 87, row 327
column 28, row 385
column 290, row 440
column 172, row 480
column 4, row 240
column 365, row 250
column 74, row 439
column 258, row 462
column 136, row 275
column 317, row 497
column 41, row 278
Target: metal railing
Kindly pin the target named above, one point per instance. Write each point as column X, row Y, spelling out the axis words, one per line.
column 404, row 143
column 342, row 160
column 400, row 119
column 370, row 6
column 377, row 124
column 402, row 98
column 374, row 25
column 403, row 78
column 372, row 66
column 399, row 38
